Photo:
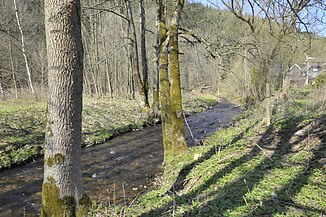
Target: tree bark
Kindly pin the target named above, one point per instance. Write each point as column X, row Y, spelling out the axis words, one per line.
column 164, row 95
column 62, row 190
column 177, row 119
column 170, row 89
column 143, row 52
column 156, row 75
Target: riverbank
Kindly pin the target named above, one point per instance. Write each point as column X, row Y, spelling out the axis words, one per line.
column 22, row 124
column 245, row 170
column 114, row 172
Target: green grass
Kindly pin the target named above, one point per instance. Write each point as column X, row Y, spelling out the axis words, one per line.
column 22, row 124
column 245, row 170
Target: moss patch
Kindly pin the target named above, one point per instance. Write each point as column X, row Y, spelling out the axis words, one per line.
column 57, row 159
column 52, row 204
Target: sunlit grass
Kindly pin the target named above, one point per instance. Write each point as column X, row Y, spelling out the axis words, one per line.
column 245, row 170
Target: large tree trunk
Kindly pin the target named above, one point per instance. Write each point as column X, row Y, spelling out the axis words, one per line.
column 62, row 190
column 177, row 119
column 164, row 95
column 170, row 90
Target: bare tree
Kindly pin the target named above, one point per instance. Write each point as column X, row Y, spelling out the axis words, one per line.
column 280, row 17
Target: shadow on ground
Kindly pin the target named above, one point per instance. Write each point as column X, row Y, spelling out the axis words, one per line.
column 275, row 145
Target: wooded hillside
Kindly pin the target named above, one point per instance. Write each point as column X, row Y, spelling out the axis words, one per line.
column 219, row 52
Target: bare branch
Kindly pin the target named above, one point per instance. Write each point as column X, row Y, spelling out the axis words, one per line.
column 108, row 10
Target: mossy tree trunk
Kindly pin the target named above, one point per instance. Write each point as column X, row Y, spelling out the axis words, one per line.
column 170, row 89
column 177, row 119
column 62, row 190
column 164, row 95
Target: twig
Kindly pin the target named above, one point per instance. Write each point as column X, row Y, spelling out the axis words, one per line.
column 136, row 197
column 261, row 148
column 192, row 135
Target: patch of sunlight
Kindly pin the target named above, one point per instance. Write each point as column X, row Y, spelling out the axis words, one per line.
column 299, row 157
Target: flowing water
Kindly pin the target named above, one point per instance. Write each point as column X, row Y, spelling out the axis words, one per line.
column 117, row 171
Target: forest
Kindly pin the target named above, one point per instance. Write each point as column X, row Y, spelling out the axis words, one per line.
column 162, row 108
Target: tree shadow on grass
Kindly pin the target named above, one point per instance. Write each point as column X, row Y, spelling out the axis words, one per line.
column 181, row 179
column 230, row 196
column 284, row 200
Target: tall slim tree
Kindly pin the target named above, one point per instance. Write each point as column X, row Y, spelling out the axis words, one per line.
column 143, row 53
column 62, row 190
column 133, row 55
column 28, row 69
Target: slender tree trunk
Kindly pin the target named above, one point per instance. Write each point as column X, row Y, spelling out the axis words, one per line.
column 62, row 189
column 29, row 75
column 268, row 104
column 1, row 88
column 177, row 119
column 156, row 75
column 143, row 49
column 134, row 56
column 12, row 68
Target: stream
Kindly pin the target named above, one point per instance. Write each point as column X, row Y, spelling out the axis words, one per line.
column 117, row 171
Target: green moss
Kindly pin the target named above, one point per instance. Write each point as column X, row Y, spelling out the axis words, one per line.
column 58, row 159
column 52, row 204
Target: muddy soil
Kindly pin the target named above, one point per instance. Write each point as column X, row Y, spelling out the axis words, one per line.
column 114, row 172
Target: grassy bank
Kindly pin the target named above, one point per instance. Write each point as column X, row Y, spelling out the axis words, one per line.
column 22, row 124
column 245, row 170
